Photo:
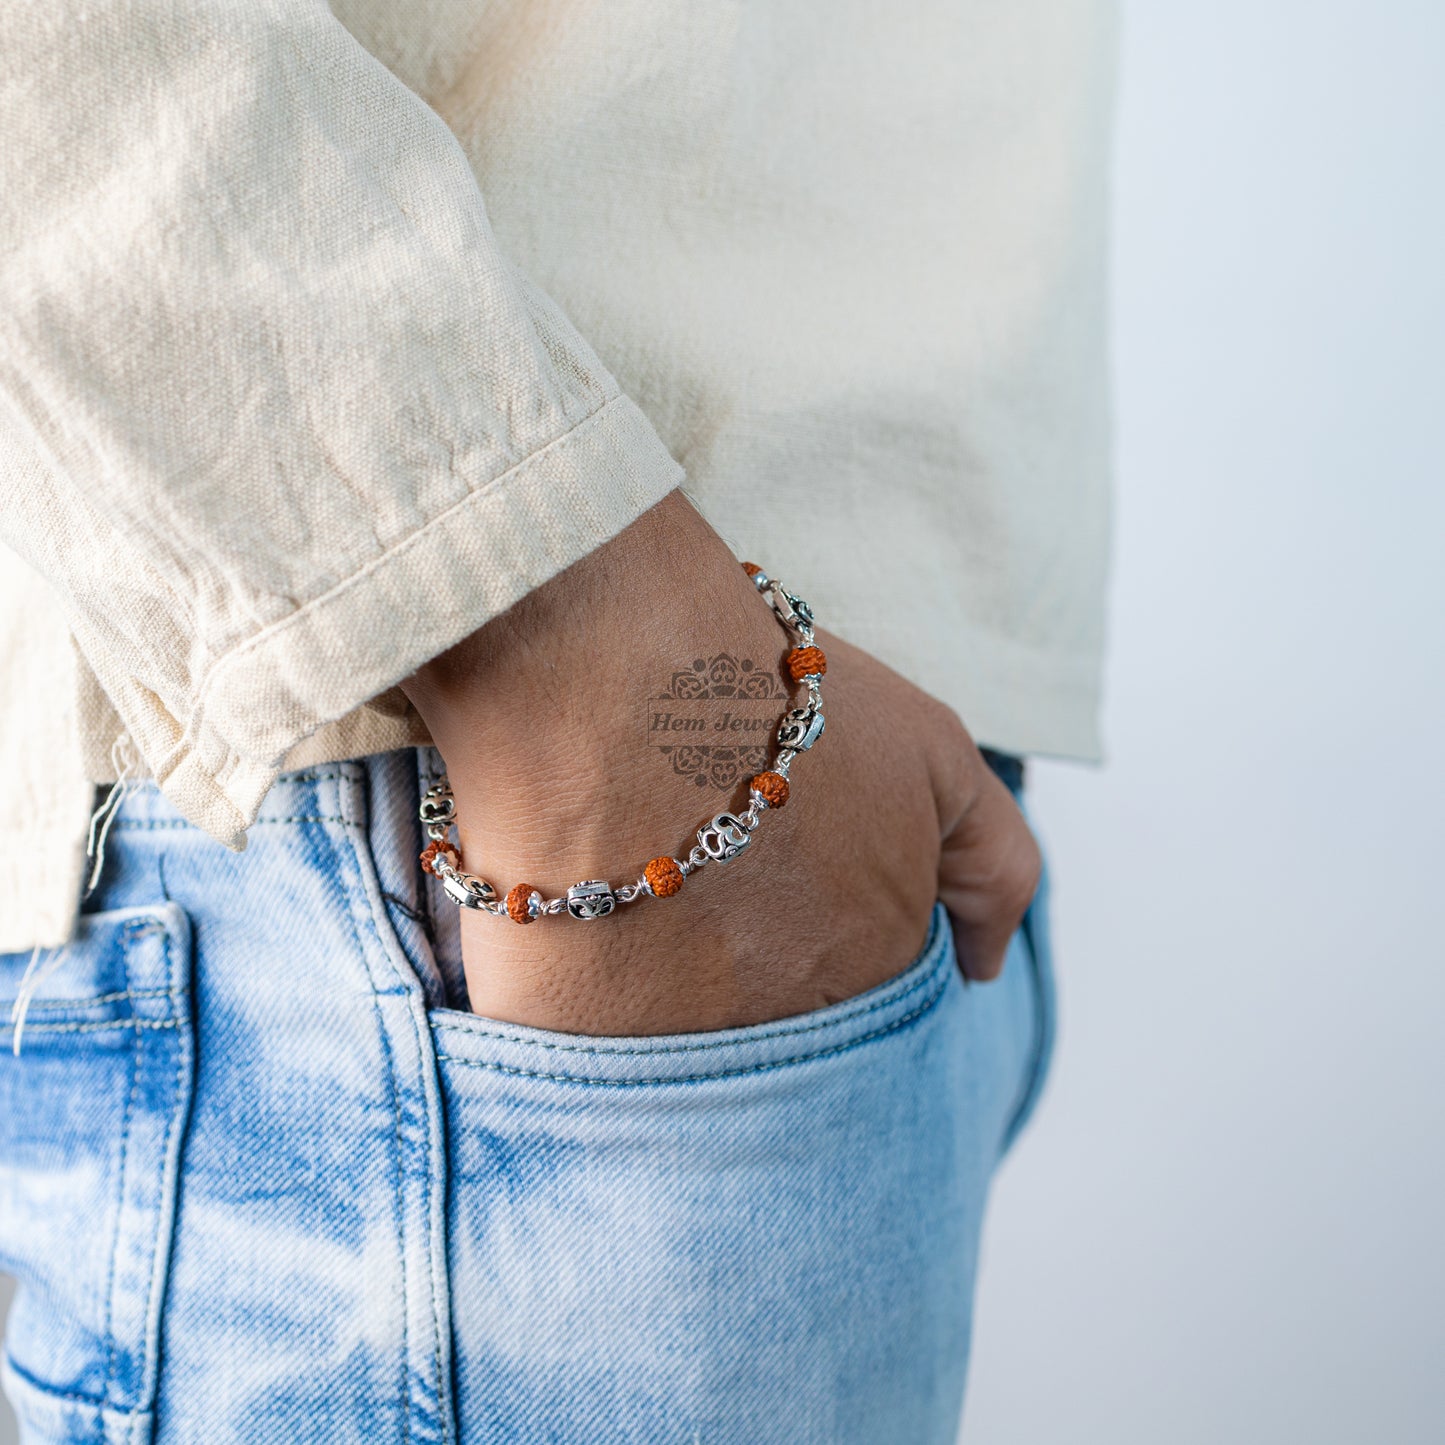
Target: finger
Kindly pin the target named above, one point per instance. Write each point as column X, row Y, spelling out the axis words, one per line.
column 988, row 871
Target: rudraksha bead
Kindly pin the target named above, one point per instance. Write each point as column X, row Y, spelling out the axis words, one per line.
column 773, row 787
column 519, row 903
column 805, row 660
column 434, row 850
column 664, row 877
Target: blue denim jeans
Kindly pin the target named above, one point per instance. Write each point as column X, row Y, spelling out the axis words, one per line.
column 264, row 1179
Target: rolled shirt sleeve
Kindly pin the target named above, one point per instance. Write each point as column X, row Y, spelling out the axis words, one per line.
column 291, row 424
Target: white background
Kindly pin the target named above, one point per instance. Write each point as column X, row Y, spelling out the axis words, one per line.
column 1224, row 1225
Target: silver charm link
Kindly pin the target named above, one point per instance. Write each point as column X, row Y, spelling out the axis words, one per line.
column 466, row 889
column 591, row 899
column 800, row 729
column 724, row 838
column 792, row 611
column 438, row 807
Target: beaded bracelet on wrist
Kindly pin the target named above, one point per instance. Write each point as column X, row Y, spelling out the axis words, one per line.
column 720, row 839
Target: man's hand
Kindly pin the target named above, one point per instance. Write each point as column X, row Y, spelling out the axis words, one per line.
column 548, row 720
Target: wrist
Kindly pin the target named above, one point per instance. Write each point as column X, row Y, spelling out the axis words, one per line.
column 541, row 715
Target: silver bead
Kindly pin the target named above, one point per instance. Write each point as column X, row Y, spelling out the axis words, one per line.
column 592, row 899
column 438, row 808
column 463, row 888
column 800, row 729
column 724, row 838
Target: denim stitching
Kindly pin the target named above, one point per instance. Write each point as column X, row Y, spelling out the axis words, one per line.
column 94, row 1028
column 142, row 927
column 405, row 1400
column 129, row 934
column 358, row 835
column 99, row 998
column 150, row 824
column 120, row 1204
column 79, row 1397
column 133, row 1419
column 702, row 1078
column 138, row 1414
column 165, row 1152
column 445, row 1403
column 431, row 1261
column 835, row 1022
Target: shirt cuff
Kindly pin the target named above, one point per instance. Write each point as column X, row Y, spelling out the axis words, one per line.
column 420, row 597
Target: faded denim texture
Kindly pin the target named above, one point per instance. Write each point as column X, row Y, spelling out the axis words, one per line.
column 264, row 1179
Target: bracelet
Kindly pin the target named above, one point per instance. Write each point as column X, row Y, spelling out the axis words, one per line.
column 720, row 839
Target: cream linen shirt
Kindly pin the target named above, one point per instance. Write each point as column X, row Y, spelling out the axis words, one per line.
column 294, row 392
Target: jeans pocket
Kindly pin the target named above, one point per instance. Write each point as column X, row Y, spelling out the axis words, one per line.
column 759, row 1234
column 93, row 1107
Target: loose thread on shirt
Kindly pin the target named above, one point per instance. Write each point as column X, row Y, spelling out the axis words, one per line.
column 123, row 760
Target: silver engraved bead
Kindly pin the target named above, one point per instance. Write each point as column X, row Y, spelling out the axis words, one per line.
column 438, row 808
column 724, row 838
column 592, row 899
column 801, row 728
column 467, row 890
column 761, row 580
